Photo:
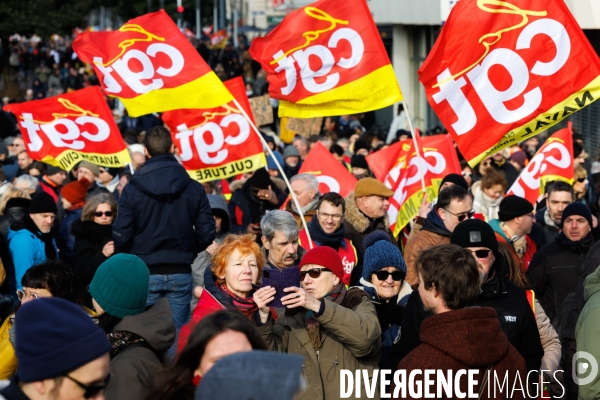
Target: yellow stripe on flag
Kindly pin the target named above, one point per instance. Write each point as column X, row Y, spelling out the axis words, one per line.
column 69, row 158
column 205, row 92
column 228, row 170
column 570, row 105
column 373, row 91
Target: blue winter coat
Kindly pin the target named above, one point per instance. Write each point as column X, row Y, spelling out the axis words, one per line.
column 26, row 251
column 164, row 216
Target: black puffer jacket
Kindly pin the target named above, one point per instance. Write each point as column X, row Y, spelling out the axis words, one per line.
column 90, row 239
column 164, row 217
column 555, row 271
column 513, row 311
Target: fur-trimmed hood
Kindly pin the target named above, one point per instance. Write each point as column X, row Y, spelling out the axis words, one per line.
column 356, row 218
column 278, row 182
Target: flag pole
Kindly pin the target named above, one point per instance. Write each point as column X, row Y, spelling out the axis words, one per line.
column 279, row 167
column 415, row 135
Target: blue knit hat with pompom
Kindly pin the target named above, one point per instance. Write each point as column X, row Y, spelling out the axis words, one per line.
column 382, row 254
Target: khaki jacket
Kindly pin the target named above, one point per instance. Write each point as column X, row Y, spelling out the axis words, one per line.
column 351, row 341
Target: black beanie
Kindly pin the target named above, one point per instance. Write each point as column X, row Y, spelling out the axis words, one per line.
column 51, row 170
column 457, row 179
column 475, row 233
column 577, row 209
column 42, row 203
column 360, row 144
column 260, row 179
column 359, row 161
column 512, row 207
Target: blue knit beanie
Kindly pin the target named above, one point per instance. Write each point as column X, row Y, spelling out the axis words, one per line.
column 120, row 285
column 379, row 255
column 54, row 337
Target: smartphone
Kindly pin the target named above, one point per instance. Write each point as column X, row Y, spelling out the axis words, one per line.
column 280, row 279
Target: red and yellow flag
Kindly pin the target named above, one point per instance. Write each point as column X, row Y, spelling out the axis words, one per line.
column 552, row 162
column 400, row 169
column 217, row 143
column 151, row 67
column 64, row 130
column 327, row 59
column 331, row 174
column 504, row 71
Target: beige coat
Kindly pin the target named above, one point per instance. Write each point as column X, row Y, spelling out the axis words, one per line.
column 550, row 341
column 351, row 341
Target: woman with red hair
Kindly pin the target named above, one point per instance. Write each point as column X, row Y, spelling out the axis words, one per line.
column 236, row 267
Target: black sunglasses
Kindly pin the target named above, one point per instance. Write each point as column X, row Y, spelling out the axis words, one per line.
column 383, row 275
column 100, row 213
column 483, row 253
column 462, row 216
column 92, row 390
column 581, row 180
column 313, row 273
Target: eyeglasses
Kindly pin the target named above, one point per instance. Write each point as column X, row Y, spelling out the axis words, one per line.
column 581, row 180
column 462, row 216
column 383, row 275
column 325, row 216
column 483, row 253
column 313, row 273
column 92, row 390
column 100, row 213
column 21, row 295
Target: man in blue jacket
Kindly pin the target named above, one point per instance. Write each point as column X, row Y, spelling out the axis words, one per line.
column 166, row 220
column 31, row 241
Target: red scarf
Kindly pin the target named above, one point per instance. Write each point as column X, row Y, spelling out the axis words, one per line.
column 245, row 305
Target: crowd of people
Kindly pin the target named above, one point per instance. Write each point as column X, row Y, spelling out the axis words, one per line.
column 141, row 283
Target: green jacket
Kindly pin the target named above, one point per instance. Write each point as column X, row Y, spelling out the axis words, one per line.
column 351, row 341
column 587, row 332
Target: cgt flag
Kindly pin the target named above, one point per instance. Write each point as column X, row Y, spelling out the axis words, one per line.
column 327, row 59
column 400, row 169
column 64, row 130
column 332, row 176
column 151, row 67
column 217, row 143
column 552, row 162
column 503, row 71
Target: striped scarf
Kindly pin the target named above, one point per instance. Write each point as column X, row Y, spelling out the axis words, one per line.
column 246, row 305
column 337, row 296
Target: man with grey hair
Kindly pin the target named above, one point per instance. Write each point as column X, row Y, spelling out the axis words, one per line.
column 280, row 240
column 306, row 189
column 280, row 244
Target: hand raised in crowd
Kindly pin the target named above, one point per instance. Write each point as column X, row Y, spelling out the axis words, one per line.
column 425, row 207
column 300, row 298
column 108, row 249
column 262, row 298
column 268, row 194
column 254, row 229
column 212, row 248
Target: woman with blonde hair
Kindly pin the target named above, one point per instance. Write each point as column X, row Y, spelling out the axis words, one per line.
column 93, row 235
column 236, row 267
